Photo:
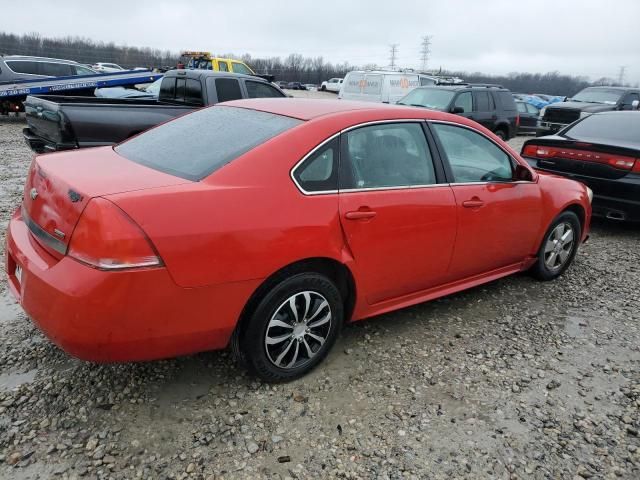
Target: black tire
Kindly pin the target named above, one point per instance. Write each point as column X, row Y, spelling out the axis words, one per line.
column 323, row 88
column 541, row 269
column 250, row 343
column 501, row 134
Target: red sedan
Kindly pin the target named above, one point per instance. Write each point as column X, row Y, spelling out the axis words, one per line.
column 267, row 224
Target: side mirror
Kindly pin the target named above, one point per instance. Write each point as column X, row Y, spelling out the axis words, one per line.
column 635, row 105
column 457, row 110
column 522, row 174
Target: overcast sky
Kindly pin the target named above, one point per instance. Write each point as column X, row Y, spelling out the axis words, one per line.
column 578, row 37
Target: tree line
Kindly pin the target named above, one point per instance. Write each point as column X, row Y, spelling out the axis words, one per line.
column 294, row 67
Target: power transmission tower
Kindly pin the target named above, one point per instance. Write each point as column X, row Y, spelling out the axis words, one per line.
column 393, row 54
column 425, row 51
column 621, row 75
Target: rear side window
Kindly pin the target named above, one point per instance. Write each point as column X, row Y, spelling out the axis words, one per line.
column 241, row 68
column 506, row 100
column 387, row 155
column 177, row 147
column 319, row 172
column 222, row 66
column 228, row 89
column 30, row 68
column 482, row 102
column 261, row 90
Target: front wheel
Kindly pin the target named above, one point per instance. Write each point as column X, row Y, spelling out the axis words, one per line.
column 293, row 327
column 501, row 134
column 559, row 247
column 323, row 88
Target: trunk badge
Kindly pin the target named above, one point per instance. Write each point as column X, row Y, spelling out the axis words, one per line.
column 33, row 194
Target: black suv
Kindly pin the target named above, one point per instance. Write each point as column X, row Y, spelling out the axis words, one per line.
column 556, row 116
column 492, row 106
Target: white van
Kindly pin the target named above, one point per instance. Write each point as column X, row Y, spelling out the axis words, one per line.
column 381, row 86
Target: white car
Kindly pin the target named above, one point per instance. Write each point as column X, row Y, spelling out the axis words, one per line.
column 107, row 67
column 332, row 85
column 381, row 85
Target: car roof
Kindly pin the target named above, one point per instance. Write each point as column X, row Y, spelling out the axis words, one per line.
column 39, row 59
column 309, row 109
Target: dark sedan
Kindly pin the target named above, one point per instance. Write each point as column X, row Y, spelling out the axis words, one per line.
column 601, row 151
column 295, row 86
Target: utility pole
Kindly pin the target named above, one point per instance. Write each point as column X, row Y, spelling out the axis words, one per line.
column 393, row 54
column 621, row 75
column 425, row 51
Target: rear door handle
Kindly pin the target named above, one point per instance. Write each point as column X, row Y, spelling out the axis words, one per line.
column 473, row 203
column 360, row 215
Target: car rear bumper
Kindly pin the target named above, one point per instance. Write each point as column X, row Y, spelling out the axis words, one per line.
column 548, row 128
column 616, row 199
column 118, row 316
column 42, row 145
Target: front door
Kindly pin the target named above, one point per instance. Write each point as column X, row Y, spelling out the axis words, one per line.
column 498, row 217
column 398, row 215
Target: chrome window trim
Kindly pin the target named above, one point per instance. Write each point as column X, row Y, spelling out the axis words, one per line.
column 41, row 234
column 295, row 167
column 446, row 122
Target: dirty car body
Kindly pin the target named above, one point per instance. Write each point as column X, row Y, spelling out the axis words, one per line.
column 160, row 247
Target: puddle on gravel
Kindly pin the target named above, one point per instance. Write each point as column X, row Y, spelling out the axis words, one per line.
column 576, row 326
column 10, row 381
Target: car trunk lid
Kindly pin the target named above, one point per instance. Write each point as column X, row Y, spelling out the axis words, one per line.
column 60, row 185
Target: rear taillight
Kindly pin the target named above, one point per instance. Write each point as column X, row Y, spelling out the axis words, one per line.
column 106, row 238
column 517, row 120
column 621, row 162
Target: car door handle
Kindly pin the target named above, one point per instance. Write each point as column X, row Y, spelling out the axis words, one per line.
column 473, row 203
column 360, row 215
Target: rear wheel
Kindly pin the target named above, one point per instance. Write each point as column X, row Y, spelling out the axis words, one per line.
column 501, row 134
column 559, row 247
column 292, row 328
column 323, row 88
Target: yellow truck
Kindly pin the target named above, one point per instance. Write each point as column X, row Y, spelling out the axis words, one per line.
column 204, row 61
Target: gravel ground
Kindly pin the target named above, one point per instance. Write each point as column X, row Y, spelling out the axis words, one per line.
column 515, row 379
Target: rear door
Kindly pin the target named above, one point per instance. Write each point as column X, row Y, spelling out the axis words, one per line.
column 397, row 212
column 484, row 110
column 498, row 217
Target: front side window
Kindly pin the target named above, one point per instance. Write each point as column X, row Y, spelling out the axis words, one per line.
column 176, row 147
column 262, row 90
column 464, row 100
column 473, row 157
column 319, row 172
column 532, row 109
column 228, row 89
column 222, row 66
column 56, row 69
column 241, row 68
column 80, row 70
column 522, row 107
column 387, row 155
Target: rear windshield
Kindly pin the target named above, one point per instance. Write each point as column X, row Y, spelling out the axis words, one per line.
column 196, row 145
column 608, row 127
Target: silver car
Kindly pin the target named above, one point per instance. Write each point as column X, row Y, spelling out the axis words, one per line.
column 14, row 68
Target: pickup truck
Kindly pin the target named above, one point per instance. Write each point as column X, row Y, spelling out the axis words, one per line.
column 556, row 116
column 66, row 122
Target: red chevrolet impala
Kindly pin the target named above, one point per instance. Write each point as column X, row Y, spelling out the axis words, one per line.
column 267, row 224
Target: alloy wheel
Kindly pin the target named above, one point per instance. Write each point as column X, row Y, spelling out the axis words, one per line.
column 298, row 329
column 559, row 246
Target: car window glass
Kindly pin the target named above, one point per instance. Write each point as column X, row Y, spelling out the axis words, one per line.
column 482, row 101
column 261, row 90
column 472, row 157
column 426, row 81
column 606, row 128
column 56, row 69
column 319, row 172
column 464, row 100
column 193, row 92
column 222, row 66
column 241, row 68
column 522, row 107
column 506, row 99
column 168, row 88
column 628, row 100
column 228, row 89
column 532, row 109
column 30, row 68
column 83, row 70
column 180, row 89
column 390, row 155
